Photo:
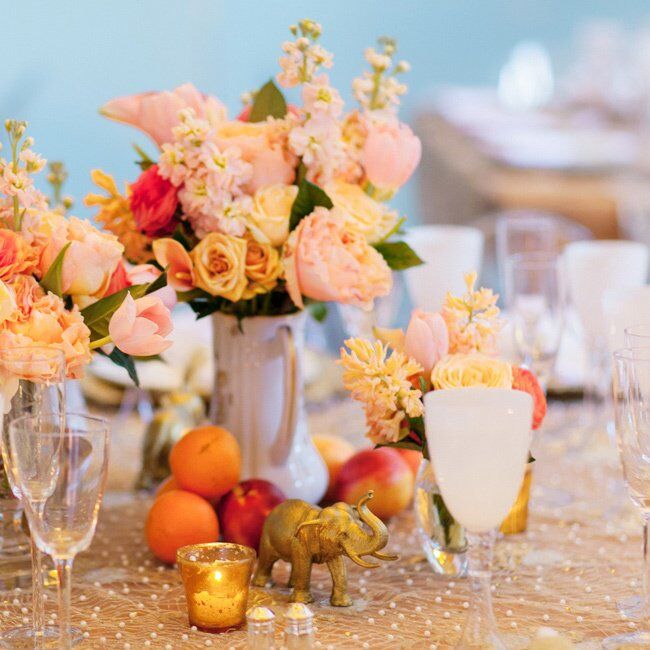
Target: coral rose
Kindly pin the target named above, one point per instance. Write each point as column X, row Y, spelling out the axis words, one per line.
column 16, row 255
column 171, row 255
column 220, row 265
column 156, row 113
column 263, row 268
column 119, row 280
column 89, row 261
column 153, row 202
column 525, row 380
column 426, row 339
column 390, row 154
column 325, row 261
column 364, row 215
column 139, row 327
column 269, row 219
column 465, row 370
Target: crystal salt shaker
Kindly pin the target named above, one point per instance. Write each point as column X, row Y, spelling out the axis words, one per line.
column 261, row 628
column 298, row 627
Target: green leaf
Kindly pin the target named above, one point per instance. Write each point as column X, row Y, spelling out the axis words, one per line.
column 158, row 283
column 125, row 361
column 403, row 444
column 97, row 316
column 145, row 161
column 309, row 197
column 51, row 281
column 398, row 255
column 269, row 102
column 318, row 311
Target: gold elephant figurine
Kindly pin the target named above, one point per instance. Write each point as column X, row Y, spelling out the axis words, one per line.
column 303, row 534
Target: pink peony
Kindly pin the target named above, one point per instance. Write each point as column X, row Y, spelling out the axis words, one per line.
column 390, row 154
column 153, row 203
column 426, row 339
column 324, row 261
column 271, row 167
column 156, row 113
column 138, row 327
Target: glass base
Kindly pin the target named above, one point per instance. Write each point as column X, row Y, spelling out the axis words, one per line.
column 627, row 641
column 631, row 608
column 491, row 642
column 23, row 637
column 444, row 563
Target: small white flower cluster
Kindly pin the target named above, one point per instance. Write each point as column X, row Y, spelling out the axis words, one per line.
column 304, row 56
column 16, row 180
column 212, row 177
column 379, row 88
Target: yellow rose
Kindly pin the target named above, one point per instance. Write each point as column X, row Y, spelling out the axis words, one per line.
column 220, row 265
column 464, row 370
column 263, row 267
column 364, row 215
column 269, row 220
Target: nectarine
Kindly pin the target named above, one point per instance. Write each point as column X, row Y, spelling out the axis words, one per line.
column 334, row 451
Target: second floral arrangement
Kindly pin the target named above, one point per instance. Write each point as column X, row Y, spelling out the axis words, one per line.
column 278, row 208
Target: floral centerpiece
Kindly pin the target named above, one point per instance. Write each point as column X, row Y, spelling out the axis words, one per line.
column 63, row 282
column 281, row 208
column 452, row 349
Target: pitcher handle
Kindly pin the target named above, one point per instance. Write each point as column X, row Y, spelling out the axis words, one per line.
column 288, row 421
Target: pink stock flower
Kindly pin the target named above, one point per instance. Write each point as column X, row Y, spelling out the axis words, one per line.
column 153, row 203
column 426, row 339
column 390, row 154
column 156, row 113
column 171, row 255
column 138, row 327
column 324, row 261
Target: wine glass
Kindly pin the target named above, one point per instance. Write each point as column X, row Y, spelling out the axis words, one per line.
column 479, row 468
column 631, row 385
column 534, row 300
column 59, row 461
column 33, row 379
column 638, row 336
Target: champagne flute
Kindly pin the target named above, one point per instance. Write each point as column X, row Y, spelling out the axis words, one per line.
column 33, row 379
column 638, row 336
column 479, row 463
column 631, row 385
column 61, row 472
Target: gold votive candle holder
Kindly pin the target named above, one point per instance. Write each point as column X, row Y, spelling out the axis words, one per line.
column 517, row 518
column 216, row 578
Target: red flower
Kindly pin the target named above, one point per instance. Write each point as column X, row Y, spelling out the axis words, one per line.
column 119, row 280
column 153, row 202
column 525, row 380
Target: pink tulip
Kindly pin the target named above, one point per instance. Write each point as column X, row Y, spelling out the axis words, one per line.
column 147, row 273
column 427, row 339
column 172, row 256
column 390, row 154
column 138, row 327
column 156, row 113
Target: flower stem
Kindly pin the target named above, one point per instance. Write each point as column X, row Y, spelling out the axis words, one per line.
column 100, row 342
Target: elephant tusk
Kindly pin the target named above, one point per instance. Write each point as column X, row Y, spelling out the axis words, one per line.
column 305, row 524
column 385, row 556
column 363, row 563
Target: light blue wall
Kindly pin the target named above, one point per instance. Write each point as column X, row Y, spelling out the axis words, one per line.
column 62, row 59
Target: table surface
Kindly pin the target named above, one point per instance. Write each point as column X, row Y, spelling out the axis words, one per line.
column 565, row 572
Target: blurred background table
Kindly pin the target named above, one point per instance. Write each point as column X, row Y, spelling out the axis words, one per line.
column 565, row 572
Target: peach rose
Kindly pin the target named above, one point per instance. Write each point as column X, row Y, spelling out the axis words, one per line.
column 7, row 302
column 171, row 255
column 220, row 265
column 426, row 339
column 16, row 255
column 139, row 327
column 269, row 219
column 464, row 370
column 364, row 215
column 263, row 268
column 156, row 113
column 42, row 319
column 325, row 261
column 90, row 260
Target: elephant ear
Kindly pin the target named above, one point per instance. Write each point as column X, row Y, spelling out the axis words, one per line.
column 306, row 524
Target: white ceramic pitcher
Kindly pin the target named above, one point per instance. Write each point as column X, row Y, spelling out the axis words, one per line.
column 258, row 396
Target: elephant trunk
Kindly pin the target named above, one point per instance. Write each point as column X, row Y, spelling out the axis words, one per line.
column 379, row 537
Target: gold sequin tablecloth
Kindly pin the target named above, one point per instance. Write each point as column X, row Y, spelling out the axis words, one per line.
column 566, row 572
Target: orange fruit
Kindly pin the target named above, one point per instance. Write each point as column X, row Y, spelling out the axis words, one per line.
column 335, row 452
column 178, row 518
column 165, row 486
column 206, row 461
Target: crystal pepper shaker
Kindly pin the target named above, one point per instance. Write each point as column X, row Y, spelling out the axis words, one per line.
column 299, row 627
column 261, row 628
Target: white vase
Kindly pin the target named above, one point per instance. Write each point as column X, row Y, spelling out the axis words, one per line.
column 258, row 396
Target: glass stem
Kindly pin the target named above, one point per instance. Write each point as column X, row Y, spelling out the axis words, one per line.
column 480, row 625
column 646, row 565
column 38, row 609
column 64, row 572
